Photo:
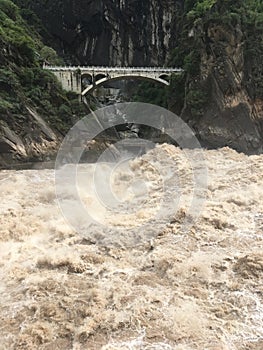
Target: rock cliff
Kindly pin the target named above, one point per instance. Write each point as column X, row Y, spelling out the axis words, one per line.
column 218, row 43
column 110, row 32
column 232, row 114
column 34, row 110
column 221, row 102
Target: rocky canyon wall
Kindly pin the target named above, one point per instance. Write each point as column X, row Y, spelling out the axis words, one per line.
column 219, row 46
column 232, row 114
column 110, row 32
column 138, row 33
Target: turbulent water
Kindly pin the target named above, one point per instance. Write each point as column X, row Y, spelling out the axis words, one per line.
column 181, row 289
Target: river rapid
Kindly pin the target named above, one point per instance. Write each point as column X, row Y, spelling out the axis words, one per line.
column 178, row 289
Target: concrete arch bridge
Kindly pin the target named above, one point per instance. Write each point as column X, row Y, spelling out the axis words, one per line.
column 84, row 80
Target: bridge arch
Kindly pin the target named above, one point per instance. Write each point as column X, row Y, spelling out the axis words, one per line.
column 164, row 77
column 99, row 77
column 86, row 79
column 105, row 79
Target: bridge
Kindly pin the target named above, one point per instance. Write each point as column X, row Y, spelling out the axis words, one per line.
column 84, row 80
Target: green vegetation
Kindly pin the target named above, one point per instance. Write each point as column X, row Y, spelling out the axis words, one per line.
column 196, row 18
column 23, row 82
column 151, row 92
column 199, row 8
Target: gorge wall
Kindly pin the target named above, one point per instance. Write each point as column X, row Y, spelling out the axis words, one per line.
column 230, row 82
column 218, row 43
column 35, row 112
column 106, row 32
column 222, row 89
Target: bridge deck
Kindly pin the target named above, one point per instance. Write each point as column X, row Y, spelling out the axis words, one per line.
column 114, row 69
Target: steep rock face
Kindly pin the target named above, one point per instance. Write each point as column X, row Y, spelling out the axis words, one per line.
column 111, row 32
column 27, row 137
column 138, row 33
column 231, row 116
column 133, row 32
column 34, row 110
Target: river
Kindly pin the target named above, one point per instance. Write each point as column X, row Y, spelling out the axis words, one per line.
column 199, row 288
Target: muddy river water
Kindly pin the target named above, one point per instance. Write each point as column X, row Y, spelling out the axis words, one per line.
column 169, row 288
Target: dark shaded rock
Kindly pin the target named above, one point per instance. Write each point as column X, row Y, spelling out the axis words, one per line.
column 230, row 116
column 104, row 32
column 141, row 33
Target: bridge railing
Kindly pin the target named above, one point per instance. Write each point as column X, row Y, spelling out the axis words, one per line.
column 113, row 69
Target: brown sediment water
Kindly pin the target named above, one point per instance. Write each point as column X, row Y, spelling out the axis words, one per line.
column 196, row 289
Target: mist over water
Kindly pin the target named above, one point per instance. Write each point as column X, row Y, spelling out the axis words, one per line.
column 131, row 277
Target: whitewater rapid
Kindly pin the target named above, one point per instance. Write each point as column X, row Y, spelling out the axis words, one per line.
column 199, row 288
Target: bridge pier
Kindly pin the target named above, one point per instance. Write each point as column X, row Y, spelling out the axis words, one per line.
column 70, row 80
